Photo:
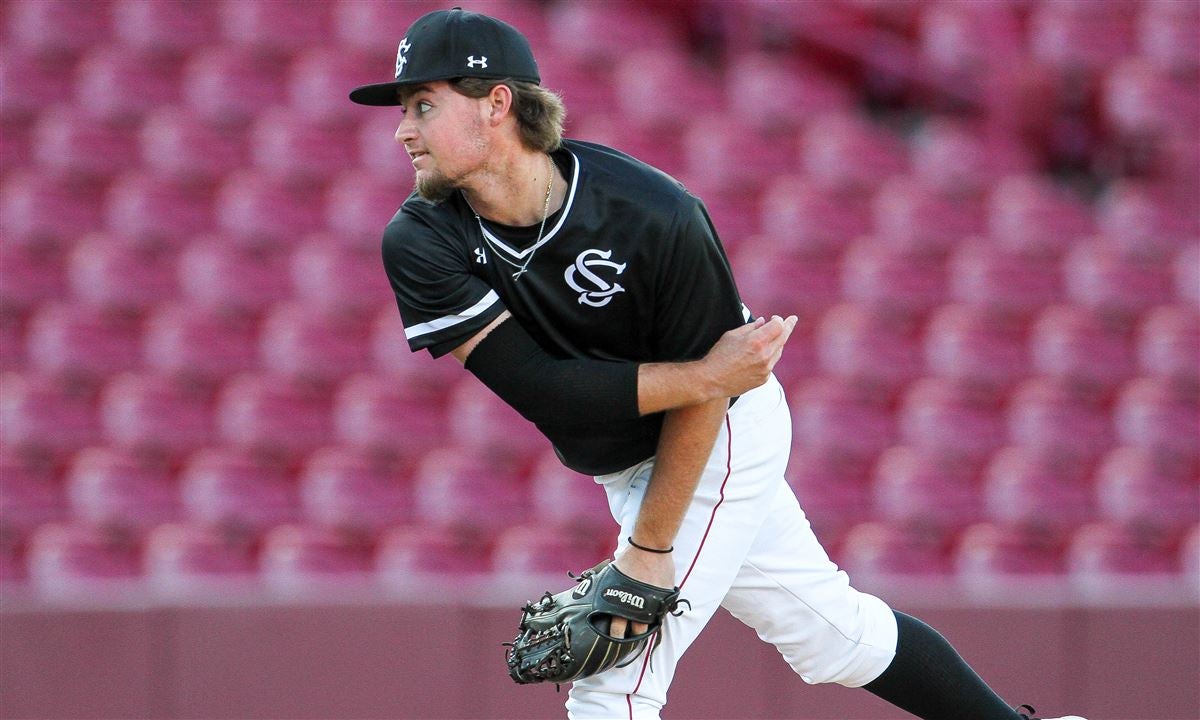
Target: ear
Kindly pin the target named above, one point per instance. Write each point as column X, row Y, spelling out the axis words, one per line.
column 499, row 103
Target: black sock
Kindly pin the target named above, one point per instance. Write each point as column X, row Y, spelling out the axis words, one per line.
column 929, row 679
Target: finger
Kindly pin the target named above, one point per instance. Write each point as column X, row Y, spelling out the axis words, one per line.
column 788, row 326
column 639, row 628
column 770, row 330
column 748, row 327
column 617, row 626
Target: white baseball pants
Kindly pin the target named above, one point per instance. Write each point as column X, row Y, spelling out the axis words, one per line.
column 746, row 545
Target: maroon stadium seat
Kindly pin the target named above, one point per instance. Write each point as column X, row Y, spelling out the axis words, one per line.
column 835, row 416
column 833, row 489
column 294, row 558
column 359, row 205
column 338, row 278
column 117, row 489
column 1098, row 276
column 892, row 278
column 455, row 486
column 155, row 414
column 67, row 558
column 272, row 414
column 260, row 208
column 1189, row 553
column 960, row 160
column 480, row 419
column 712, row 139
column 216, row 274
column 354, row 491
column 662, row 149
column 77, row 340
column 281, row 26
column 296, row 148
column 664, row 99
column 157, row 207
column 1137, row 487
column 45, row 414
column 305, row 343
column 798, row 214
column 388, row 416
column 914, row 216
column 841, row 150
column 110, row 274
column 114, row 82
column 973, row 345
column 988, row 552
column 1142, row 220
column 603, row 33
column 30, row 495
column 391, row 357
column 918, row 488
column 539, row 548
column 987, row 276
column 869, row 345
column 1141, row 102
column 1169, row 343
column 1051, row 415
column 225, row 84
column 1187, row 275
column 165, row 27
column 951, row 418
column 356, row 24
column 776, row 281
column 1080, row 36
column 181, row 144
column 1156, row 414
column 565, row 498
column 40, row 209
column 1029, row 214
column 30, row 275
column 32, row 81
column 1099, row 551
column 1167, row 35
column 1036, row 489
column 236, row 491
column 380, row 156
column 406, row 555
column 56, row 24
column 319, row 78
column 194, row 342
column 1072, row 343
column 71, row 144
column 785, row 94
column 873, row 550
column 191, row 556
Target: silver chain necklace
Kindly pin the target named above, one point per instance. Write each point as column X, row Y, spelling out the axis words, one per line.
column 534, row 248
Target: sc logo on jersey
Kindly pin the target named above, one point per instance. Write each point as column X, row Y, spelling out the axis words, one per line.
column 585, row 278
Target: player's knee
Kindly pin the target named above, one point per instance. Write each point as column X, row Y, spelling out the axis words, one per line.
column 853, row 654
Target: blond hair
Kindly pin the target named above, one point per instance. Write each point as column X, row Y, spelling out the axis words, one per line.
column 540, row 112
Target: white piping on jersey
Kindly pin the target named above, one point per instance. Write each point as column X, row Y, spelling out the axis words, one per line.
column 746, row 314
column 498, row 244
column 450, row 320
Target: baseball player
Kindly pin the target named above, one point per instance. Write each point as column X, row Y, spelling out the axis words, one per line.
column 590, row 291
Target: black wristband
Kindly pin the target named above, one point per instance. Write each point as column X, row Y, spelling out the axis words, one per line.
column 650, row 549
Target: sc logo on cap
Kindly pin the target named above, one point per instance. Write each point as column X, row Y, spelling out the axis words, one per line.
column 401, row 61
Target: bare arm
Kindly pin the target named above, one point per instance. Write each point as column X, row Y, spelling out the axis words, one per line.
column 740, row 361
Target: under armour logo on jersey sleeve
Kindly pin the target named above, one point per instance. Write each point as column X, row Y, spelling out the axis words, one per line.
column 584, row 277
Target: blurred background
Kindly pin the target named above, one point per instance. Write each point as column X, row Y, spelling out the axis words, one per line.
column 227, row 489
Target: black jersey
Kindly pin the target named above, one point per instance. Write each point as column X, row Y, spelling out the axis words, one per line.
column 630, row 269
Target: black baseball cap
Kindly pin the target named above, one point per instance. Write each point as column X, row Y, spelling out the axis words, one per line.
column 447, row 44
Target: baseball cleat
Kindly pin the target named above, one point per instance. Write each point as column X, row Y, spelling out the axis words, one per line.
column 1027, row 713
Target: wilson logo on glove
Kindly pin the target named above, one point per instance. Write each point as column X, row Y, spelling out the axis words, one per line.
column 626, row 597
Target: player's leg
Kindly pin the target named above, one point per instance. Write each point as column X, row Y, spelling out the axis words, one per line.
column 717, row 531
column 796, row 598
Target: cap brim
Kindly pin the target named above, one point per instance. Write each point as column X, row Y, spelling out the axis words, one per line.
column 377, row 94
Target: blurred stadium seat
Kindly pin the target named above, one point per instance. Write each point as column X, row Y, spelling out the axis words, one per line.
column 183, row 557
column 457, row 487
column 1100, row 551
column 120, row 491
column 39, row 209
column 283, row 26
column 1168, row 344
column 390, row 356
column 1135, row 486
column 354, row 491
column 922, row 218
column 1029, row 214
column 30, row 275
column 1073, row 344
column 225, row 84
column 388, row 416
column 912, row 487
column 220, row 276
column 1158, row 415
column 318, row 78
column 81, row 341
column 259, row 208
column 165, row 27
column 297, row 558
column 67, row 558
column 951, row 418
column 155, row 414
column 1099, row 277
column 32, row 80
column 1167, row 35
column 541, row 548
column 891, row 278
column 71, row 144
column 970, row 345
column 359, row 205
column 987, row 552
column 275, row 415
column 774, row 281
column 41, row 413
column 338, row 278
column 405, row 554
column 1010, row 282
column 122, row 84
column 867, row 344
column 30, row 496
column 298, row 148
column 1038, row 490
column 567, row 499
column 179, row 144
column 193, row 342
column 308, row 344
column 481, row 420
column 833, row 488
column 801, row 215
column 836, row 416
column 843, row 151
column 1052, row 415
column 151, row 207
column 236, row 492
column 56, row 25
column 872, row 551
column 116, row 276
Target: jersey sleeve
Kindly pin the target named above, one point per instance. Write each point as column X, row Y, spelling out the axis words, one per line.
column 442, row 304
column 698, row 299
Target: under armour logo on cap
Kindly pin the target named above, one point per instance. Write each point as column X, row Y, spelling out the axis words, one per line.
column 480, row 63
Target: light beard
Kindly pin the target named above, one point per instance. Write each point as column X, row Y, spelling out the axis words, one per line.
column 435, row 187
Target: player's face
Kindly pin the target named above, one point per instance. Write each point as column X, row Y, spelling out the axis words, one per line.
column 444, row 134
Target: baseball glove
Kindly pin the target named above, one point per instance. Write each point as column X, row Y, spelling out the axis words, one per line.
column 565, row 637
